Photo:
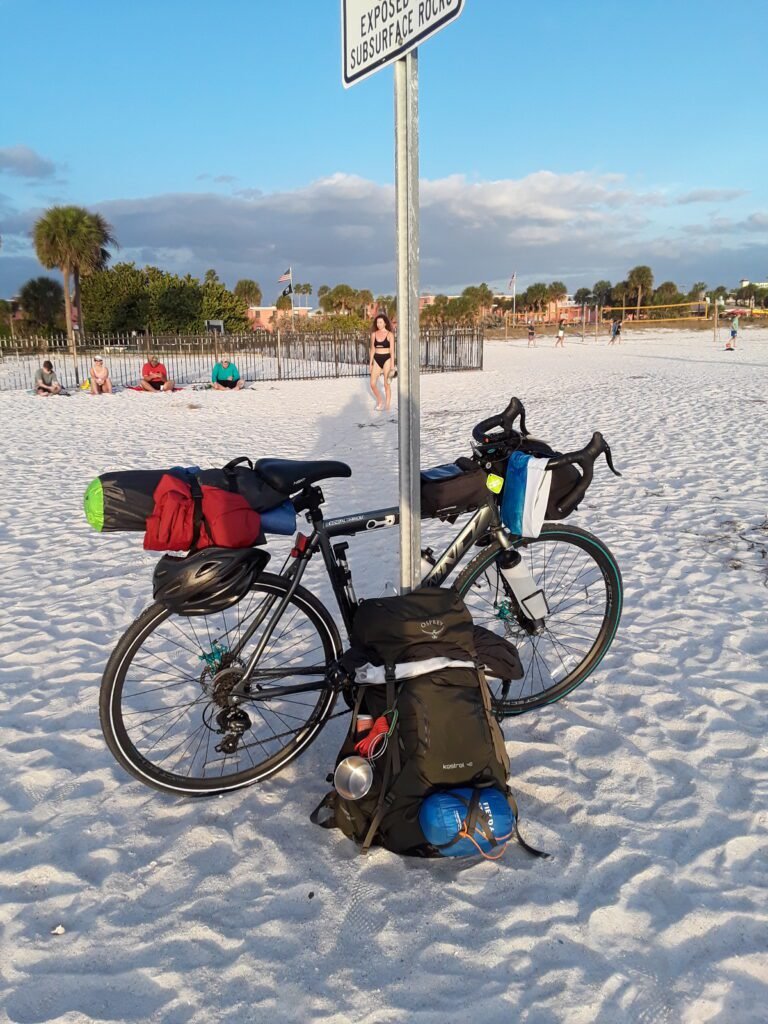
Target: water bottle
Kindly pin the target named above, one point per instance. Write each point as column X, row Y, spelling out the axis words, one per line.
column 529, row 595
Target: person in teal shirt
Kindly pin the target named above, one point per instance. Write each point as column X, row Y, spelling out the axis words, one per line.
column 226, row 376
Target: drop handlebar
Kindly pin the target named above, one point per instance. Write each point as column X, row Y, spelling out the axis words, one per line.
column 486, row 434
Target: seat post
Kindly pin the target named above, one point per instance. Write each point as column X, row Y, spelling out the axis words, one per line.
column 309, row 500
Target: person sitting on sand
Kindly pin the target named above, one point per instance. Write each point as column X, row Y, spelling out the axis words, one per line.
column 226, row 376
column 154, row 376
column 46, row 381
column 100, row 382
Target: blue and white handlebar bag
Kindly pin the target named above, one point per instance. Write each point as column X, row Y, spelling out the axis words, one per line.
column 526, row 493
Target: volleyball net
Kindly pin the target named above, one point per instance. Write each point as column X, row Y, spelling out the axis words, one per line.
column 672, row 312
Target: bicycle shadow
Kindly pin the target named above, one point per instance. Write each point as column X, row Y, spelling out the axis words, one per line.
column 349, row 430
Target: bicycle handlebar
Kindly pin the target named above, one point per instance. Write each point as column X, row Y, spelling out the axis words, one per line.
column 584, row 458
column 505, row 420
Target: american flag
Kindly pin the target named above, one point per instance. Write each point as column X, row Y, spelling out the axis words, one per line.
column 512, row 279
column 285, row 277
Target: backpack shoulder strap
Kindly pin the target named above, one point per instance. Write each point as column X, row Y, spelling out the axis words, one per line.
column 197, row 515
column 391, row 695
column 328, row 803
column 526, row 846
column 498, row 740
column 392, row 764
column 385, row 799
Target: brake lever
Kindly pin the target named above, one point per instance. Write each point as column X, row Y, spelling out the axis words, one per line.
column 609, row 460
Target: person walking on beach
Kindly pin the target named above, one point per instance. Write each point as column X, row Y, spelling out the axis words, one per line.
column 531, row 334
column 560, row 340
column 46, row 381
column 382, row 360
column 615, row 332
column 154, row 376
column 99, row 375
column 226, row 376
column 731, row 346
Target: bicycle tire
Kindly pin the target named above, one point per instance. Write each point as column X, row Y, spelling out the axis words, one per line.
column 587, row 658
column 118, row 735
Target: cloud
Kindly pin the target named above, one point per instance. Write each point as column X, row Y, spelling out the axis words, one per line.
column 575, row 227
column 710, row 195
column 220, row 178
column 23, row 162
column 757, row 221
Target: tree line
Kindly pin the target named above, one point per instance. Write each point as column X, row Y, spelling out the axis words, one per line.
column 125, row 298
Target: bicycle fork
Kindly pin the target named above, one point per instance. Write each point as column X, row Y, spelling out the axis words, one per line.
column 530, row 598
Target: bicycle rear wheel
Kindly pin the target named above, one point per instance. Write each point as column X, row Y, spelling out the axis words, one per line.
column 583, row 588
column 163, row 702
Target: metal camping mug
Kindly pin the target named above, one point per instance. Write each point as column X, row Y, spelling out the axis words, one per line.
column 353, row 778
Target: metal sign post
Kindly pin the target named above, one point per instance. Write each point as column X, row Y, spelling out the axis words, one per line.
column 375, row 33
column 408, row 390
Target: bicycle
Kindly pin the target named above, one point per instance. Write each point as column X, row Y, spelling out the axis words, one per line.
column 208, row 704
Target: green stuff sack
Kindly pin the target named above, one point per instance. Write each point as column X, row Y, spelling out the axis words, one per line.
column 122, row 501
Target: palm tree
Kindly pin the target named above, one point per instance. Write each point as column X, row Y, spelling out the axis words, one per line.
column 640, row 281
column 248, row 291
column 537, row 294
column 42, row 300
column 386, row 304
column 602, row 292
column 363, row 299
column 556, row 293
column 619, row 294
column 74, row 240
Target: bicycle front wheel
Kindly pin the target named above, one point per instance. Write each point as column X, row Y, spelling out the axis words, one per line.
column 164, row 705
column 582, row 585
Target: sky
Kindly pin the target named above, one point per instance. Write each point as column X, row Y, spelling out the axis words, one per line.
column 564, row 141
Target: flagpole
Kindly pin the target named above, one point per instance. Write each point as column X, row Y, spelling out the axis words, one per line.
column 514, row 298
column 290, row 271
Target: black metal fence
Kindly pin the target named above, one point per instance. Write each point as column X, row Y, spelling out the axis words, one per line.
column 284, row 355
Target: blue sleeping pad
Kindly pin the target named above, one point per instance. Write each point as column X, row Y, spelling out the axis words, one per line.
column 280, row 520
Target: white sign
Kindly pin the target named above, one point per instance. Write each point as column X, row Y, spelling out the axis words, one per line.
column 375, row 33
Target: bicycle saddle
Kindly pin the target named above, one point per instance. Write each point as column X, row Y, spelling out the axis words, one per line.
column 289, row 475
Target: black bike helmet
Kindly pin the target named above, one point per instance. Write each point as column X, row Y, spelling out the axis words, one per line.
column 207, row 581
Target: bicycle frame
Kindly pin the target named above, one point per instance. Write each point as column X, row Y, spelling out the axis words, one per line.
column 485, row 520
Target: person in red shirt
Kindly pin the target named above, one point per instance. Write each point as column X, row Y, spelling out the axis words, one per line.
column 154, row 376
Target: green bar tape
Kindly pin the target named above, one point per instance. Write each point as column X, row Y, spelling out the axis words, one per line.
column 93, row 503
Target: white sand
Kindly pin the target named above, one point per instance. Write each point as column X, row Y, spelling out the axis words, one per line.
column 648, row 784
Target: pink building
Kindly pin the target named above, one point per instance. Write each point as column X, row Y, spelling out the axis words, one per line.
column 264, row 318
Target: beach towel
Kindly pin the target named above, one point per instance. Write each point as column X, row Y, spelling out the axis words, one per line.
column 526, row 493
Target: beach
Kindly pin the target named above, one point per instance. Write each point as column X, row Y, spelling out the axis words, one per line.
column 647, row 784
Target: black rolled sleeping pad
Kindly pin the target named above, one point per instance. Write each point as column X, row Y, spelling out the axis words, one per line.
column 129, row 495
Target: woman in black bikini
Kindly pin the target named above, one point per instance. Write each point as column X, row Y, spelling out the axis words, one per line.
column 382, row 359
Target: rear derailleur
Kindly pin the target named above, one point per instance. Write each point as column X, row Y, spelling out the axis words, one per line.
column 233, row 722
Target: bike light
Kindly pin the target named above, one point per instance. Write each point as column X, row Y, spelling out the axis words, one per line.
column 300, row 545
